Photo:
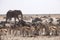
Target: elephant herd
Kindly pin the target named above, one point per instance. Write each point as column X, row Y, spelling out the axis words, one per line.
column 36, row 27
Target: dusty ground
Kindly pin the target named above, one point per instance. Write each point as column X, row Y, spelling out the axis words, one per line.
column 30, row 38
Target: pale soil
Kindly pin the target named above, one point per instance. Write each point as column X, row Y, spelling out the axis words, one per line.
column 30, row 38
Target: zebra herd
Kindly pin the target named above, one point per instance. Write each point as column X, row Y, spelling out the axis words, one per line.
column 34, row 27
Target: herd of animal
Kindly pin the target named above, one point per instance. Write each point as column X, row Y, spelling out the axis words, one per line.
column 34, row 27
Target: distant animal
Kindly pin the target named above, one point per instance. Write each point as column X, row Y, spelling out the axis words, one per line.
column 51, row 21
column 24, row 23
column 54, row 21
column 14, row 14
column 36, row 19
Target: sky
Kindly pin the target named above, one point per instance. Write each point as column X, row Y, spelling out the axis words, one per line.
column 31, row 6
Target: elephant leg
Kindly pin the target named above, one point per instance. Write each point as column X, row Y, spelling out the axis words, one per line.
column 6, row 19
column 21, row 17
column 18, row 18
column 15, row 22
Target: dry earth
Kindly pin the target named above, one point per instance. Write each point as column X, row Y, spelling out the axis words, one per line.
column 30, row 38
